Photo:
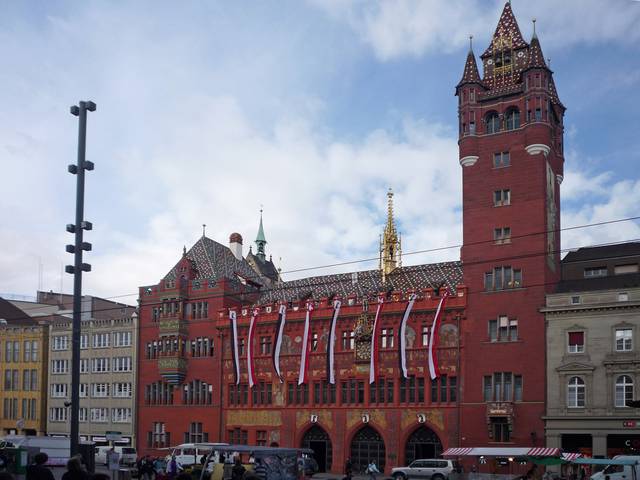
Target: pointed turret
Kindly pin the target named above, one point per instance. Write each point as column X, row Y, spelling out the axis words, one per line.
column 261, row 241
column 507, row 28
column 470, row 73
column 536, row 58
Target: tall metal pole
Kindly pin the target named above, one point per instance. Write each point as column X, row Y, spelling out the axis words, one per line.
column 78, row 267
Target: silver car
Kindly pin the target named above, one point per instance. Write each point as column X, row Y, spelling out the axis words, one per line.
column 428, row 469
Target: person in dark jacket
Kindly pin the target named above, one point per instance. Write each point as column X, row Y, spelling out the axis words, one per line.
column 37, row 470
column 75, row 469
column 237, row 472
column 348, row 469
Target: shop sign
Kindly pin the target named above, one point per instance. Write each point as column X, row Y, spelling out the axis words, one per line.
column 629, row 424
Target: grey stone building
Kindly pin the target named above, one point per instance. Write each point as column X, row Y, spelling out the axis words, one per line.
column 593, row 352
column 107, row 371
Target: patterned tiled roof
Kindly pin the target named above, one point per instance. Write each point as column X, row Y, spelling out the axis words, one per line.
column 507, row 28
column 470, row 74
column 536, row 59
column 366, row 283
column 213, row 261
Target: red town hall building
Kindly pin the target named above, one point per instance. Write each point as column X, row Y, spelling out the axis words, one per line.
column 491, row 347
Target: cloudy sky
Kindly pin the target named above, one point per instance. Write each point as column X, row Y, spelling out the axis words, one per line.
column 207, row 110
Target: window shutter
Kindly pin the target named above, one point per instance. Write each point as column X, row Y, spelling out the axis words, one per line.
column 576, row 338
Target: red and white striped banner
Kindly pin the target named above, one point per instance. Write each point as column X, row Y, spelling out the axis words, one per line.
column 434, row 371
column 543, row 452
column 234, row 345
column 457, row 452
column 306, row 347
column 282, row 317
column 250, row 369
column 331, row 344
column 570, row 456
column 373, row 365
column 402, row 336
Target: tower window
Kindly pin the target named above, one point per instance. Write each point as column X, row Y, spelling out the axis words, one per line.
column 493, row 122
column 512, row 119
column 502, row 235
column 501, row 278
column 501, row 159
column 501, row 198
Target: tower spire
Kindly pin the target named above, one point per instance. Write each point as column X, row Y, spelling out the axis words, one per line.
column 261, row 241
column 390, row 243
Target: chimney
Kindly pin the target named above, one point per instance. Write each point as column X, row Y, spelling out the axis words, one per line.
column 235, row 245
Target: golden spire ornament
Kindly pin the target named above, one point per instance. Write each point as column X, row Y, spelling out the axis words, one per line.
column 390, row 243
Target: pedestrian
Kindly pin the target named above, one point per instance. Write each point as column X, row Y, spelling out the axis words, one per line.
column 372, row 469
column 260, row 469
column 348, row 469
column 172, row 467
column 237, row 472
column 75, row 469
column 148, row 470
column 37, row 470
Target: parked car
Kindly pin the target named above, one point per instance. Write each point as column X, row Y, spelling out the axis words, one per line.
column 433, row 469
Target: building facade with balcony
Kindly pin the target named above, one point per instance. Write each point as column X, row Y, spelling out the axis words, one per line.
column 108, row 360
column 593, row 354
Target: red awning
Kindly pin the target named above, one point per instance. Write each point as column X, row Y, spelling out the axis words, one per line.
column 544, row 452
column 457, row 452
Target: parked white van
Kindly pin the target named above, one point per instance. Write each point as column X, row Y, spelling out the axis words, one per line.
column 189, row 454
column 620, row 472
column 128, row 455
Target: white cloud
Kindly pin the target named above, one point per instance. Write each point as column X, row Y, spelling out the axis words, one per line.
column 415, row 27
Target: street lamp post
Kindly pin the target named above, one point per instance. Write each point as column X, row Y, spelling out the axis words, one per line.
column 79, row 111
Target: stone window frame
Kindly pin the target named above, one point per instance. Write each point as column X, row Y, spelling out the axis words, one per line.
column 624, row 325
column 576, row 328
column 575, row 370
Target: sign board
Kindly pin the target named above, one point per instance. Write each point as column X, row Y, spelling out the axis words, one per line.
column 629, row 424
column 113, row 459
column 113, row 436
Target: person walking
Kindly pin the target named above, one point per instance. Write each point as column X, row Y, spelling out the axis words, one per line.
column 75, row 469
column 172, row 468
column 37, row 470
column 237, row 472
column 372, row 470
column 348, row 469
column 260, row 469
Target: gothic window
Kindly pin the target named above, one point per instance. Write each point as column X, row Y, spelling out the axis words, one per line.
column 575, row 393
column 493, row 122
column 512, row 119
column 624, row 390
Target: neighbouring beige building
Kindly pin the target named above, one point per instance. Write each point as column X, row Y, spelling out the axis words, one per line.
column 593, row 352
column 107, row 371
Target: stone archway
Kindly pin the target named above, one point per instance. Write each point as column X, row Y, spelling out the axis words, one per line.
column 318, row 440
column 422, row 443
column 367, row 445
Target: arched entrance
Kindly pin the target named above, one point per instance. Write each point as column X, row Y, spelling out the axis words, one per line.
column 317, row 439
column 423, row 443
column 367, row 445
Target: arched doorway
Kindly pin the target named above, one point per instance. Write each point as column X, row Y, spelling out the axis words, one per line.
column 317, row 439
column 423, row 443
column 367, row 445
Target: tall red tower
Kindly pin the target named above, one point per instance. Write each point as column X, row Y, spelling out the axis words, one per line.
column 511, row 155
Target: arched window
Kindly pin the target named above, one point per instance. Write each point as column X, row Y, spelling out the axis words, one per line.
column 512, row 119
column 575, row 393
column 624, row 390
column 493, row 122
